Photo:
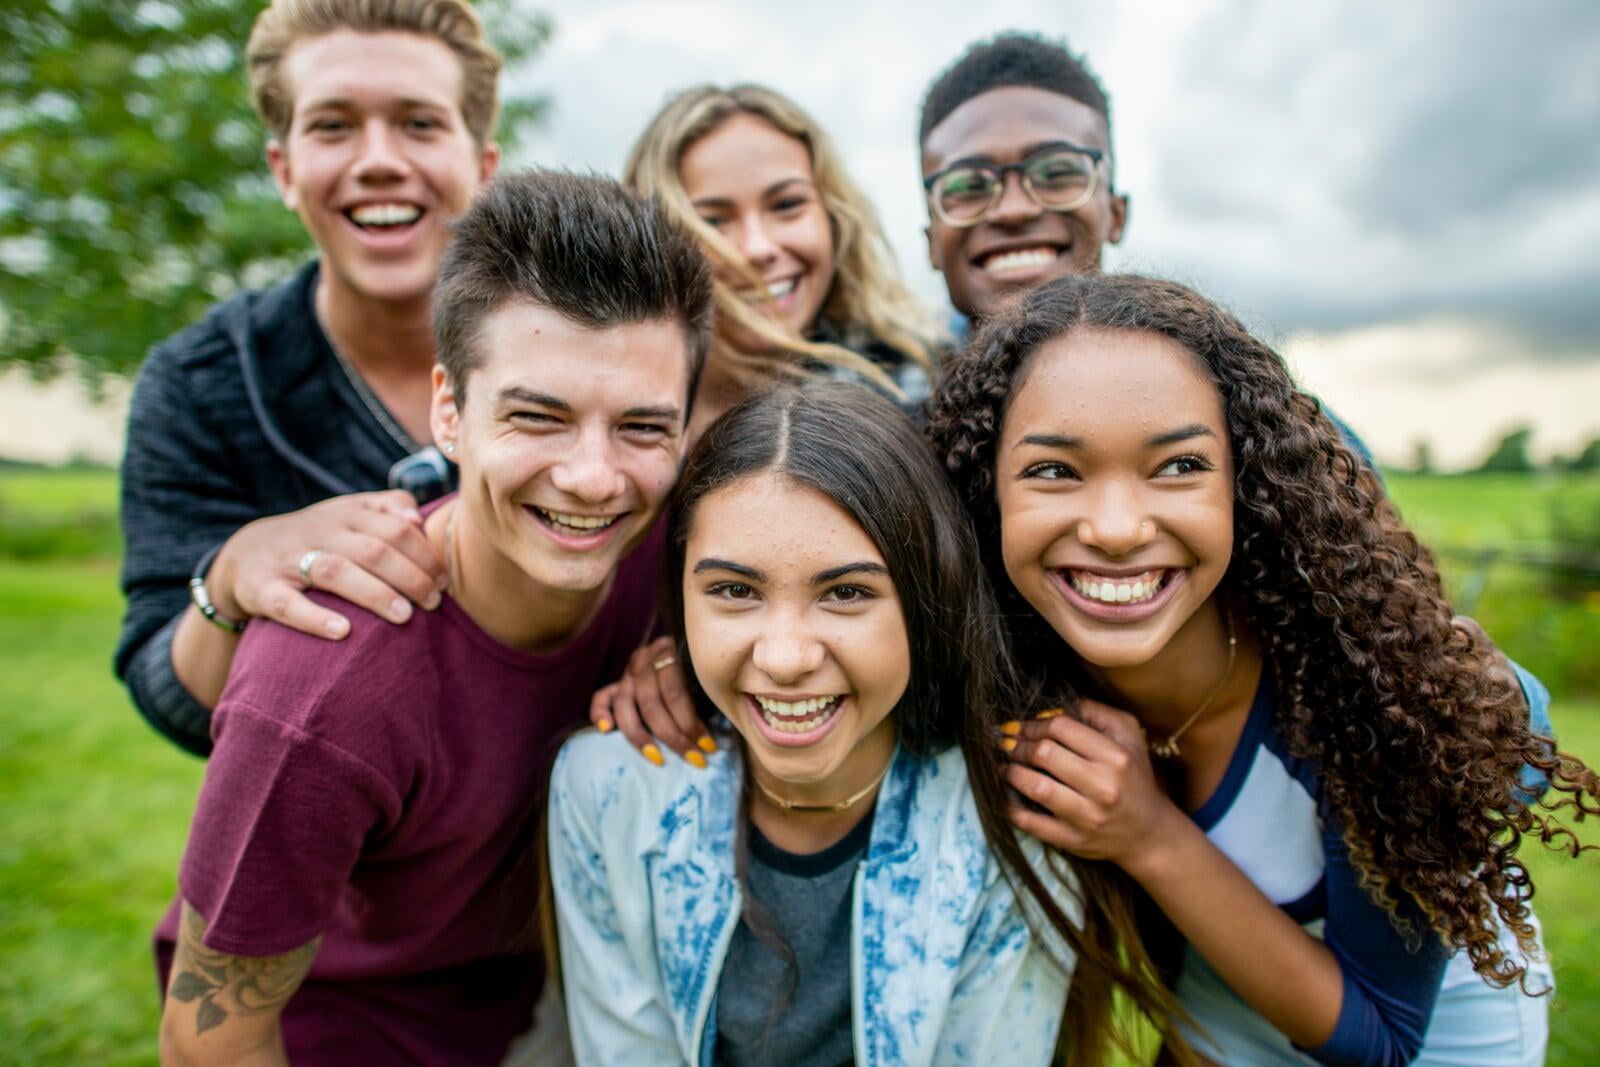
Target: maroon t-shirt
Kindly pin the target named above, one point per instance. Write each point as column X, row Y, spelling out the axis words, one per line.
column 383, row 792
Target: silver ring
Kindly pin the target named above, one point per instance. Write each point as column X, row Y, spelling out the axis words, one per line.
column 307, row 561
column 664, row 661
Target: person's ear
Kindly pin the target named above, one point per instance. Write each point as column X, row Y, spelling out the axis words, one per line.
column 282, row 174
column 1119, row 218
column 444, row 416
column 935, row 259
column 489, row 164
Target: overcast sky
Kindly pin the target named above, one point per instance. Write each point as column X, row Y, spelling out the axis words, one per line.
column 1406, row 198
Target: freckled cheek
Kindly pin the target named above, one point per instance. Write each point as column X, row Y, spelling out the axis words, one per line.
column 1207, row 529
column 719, row 648
column 875, row 658
column 1027, row 532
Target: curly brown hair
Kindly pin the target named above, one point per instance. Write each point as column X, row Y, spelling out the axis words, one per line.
column 1376, row 685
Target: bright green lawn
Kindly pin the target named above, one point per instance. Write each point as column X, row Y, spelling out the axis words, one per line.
column 41, row 491
column 95, row 806
column 1550, row 626
column 1475, row 509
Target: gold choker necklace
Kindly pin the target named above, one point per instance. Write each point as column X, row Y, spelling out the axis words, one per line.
column 1168, row 748
column 848, row 802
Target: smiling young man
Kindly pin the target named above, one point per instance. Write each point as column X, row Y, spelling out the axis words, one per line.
column 1018, row 170
column 358, row 885
column 254, row 433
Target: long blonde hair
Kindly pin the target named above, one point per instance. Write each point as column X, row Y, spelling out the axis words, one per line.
column 866, row 302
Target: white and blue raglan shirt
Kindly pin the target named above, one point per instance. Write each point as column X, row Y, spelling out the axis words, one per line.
column 1399, row 1006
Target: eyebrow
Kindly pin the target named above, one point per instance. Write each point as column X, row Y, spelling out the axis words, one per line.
column 1050, row 440
column 820, row 578
column 1169, row 437
column 859, row 567
column 518, row 394
column 713, row 564
column 346, row 103
column 1183, row 433
column 725, row 201
column 660, row 411
column 985, row 159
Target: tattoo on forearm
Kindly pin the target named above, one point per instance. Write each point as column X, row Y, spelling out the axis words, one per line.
column 228, row 986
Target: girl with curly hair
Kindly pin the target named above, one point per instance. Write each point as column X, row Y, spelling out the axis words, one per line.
column 1320, row 784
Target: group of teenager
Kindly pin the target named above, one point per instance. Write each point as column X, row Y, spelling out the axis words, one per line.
column 755, row 675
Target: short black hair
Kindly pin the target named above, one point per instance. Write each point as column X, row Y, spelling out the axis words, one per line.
column 584, row 246
column 1014, row 58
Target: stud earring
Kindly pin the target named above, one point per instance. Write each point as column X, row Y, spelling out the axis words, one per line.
column 448, row 448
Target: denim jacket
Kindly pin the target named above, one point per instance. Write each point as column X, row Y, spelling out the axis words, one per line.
column 945, row 968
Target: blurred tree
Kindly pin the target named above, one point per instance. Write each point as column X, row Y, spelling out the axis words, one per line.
column 1588, row 460
column 1422, row 456
column 1510, row 456
column 133, row 186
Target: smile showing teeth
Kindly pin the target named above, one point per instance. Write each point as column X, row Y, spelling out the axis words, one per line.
column 385, row 214
column 577, row 523
column 1132, row 590
column 775, row 290
column 799, row 716
column 1021, row 259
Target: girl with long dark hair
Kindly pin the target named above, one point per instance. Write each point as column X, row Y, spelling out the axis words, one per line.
column 1320, row 784
column 839, row 884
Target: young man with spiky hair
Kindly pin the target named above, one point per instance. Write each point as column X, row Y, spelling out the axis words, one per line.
column 259, row 438
column 358, row 886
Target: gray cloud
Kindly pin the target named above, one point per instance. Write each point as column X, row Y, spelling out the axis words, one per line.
column 1372, row 163
column 1324, row 166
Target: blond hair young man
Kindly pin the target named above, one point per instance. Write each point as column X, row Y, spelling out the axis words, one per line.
column 260, row 438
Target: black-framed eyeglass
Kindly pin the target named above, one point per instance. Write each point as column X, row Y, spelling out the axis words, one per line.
column 1057, row 177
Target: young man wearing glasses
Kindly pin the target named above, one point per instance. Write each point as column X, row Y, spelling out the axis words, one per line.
column 1016, row 103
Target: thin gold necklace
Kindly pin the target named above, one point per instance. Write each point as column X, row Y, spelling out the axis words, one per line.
column 1168, row 748
column 847, row 802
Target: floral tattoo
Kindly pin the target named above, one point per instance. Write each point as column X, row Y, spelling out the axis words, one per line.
column 228, row 986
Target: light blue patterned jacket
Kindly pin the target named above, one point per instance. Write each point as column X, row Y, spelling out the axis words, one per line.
column 944, row 968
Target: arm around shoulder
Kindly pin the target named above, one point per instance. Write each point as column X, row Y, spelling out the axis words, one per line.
column 179, row 499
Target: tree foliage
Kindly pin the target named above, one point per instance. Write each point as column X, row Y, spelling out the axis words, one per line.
column 1510, row 454
column 133, row 187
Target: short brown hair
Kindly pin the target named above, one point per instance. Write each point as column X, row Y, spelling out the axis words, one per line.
column 584, row 246
column 284, row 22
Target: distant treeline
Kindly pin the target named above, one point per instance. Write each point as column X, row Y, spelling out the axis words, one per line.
column 1510, row 456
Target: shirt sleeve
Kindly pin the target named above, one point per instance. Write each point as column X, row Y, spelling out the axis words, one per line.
column 179, row 500
column 278, row 827
column 1389, row 988
column 615, row 1006
column 1534, row 783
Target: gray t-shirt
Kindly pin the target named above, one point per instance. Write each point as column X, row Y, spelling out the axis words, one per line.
column 807, row 901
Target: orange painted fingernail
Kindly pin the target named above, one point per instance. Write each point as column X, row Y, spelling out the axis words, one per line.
column 1008, row 743
column 1051, row 713
column 604, row 726
column 706, row 744
column 1011, row 729
column 653, row 754
column 695, row 759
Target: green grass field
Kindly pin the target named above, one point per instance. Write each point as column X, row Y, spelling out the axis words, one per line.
column 96, row 805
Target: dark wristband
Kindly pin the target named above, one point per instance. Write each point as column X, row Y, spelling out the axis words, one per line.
column 202, row 599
